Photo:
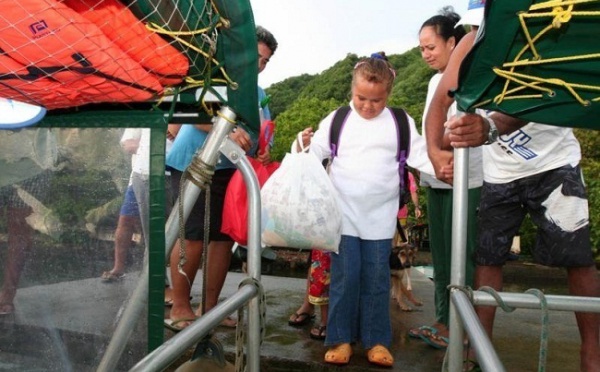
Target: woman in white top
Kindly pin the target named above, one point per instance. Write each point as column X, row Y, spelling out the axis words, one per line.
column 437, row 38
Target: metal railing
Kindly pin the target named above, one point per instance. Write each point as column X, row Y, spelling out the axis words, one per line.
column 216, row 143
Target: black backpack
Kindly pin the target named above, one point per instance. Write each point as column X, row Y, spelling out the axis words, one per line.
column 403, row 131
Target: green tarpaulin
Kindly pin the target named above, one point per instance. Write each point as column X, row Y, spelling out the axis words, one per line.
column 536, row 60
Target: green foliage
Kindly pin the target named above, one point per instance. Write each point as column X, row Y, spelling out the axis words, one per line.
column 410, row 89
column 284, row 93
column 303, row 113
column 591, row 169
column 333, row 83
column 75, row 192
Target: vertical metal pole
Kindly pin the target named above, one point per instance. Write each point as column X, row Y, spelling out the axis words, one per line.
column 233, row 152
column 254, row 269
column 460, row 205
column 209, row 154
column 486, row 355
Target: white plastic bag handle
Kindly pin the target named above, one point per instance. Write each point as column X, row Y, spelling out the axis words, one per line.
column 298, row 143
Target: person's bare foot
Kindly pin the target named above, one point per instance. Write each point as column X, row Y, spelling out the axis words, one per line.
column 168, row 298
column 228, row 322
column 182, row 311
column 7, row 308
column 303, row 315
column 7, row 302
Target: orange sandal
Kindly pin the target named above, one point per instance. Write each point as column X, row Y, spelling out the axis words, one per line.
column 380, row 356
column 339, row 354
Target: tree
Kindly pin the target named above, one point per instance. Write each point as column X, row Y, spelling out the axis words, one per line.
column 303, row 113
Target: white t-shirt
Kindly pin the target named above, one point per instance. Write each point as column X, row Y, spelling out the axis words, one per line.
column 141, row 165
column 533, row 149
column 421, row 160
column 364, row 172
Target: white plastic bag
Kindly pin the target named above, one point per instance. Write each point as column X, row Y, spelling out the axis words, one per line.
column 300, row 207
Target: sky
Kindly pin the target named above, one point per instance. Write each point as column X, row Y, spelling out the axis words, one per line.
column 315, row 34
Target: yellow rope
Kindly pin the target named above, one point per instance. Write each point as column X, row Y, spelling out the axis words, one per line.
column 191, row 82
column 551, row 60
column 554, row 3
column 561, row 13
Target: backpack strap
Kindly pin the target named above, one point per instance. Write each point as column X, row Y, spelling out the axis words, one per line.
column 403, row 132
column 337, row 124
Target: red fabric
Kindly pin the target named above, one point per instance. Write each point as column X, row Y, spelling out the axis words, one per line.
column 319, row 278
column 412, row 186
column 235, row 207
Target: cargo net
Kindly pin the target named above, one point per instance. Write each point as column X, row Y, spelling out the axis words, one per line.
column 66, row 53
column 520, row 83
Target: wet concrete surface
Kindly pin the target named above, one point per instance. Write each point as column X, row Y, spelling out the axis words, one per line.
column 54, row 322
column 517, row 334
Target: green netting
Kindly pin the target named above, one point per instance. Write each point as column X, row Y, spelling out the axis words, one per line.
column 536, row 60
column 225, row 53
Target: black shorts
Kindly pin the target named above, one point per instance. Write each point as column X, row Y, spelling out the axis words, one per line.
column 557, row 204
column 194, row 226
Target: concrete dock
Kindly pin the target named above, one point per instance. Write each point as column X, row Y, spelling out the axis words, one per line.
column 64, row 327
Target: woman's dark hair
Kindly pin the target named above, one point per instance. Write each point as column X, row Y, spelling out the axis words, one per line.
column 444, row 24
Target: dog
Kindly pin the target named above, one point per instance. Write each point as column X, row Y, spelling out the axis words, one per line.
column 401, row 260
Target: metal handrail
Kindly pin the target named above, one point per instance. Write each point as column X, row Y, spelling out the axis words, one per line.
column 173, row 348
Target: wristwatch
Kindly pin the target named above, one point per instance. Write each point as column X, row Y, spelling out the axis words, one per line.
column 493, row 132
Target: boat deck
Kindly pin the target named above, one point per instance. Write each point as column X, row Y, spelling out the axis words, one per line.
column 53, row 324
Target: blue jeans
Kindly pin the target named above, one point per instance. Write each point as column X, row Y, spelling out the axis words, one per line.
column 359, row 293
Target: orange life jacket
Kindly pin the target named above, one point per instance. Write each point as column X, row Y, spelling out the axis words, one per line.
column 120, row 25
column 37, row 90
column 52, row 41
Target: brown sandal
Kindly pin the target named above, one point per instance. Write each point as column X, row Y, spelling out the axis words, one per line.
column 339, row 354
column 380, row 356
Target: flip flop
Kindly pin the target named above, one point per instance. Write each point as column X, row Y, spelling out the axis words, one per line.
column 436, row 341
column 318, row 333
column 471, row 365
column 417, row 332
column 300, row 319
column 172, row 324
column 108, row 277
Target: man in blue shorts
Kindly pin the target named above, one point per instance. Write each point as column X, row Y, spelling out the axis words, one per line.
column 129, row 220
column 188, row 140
